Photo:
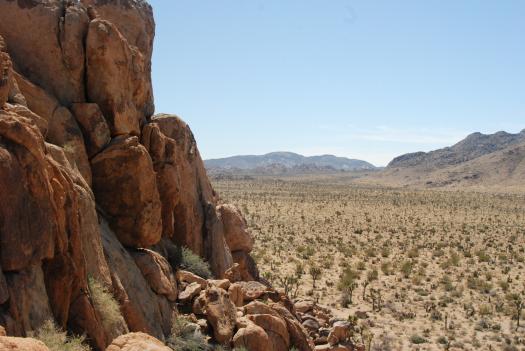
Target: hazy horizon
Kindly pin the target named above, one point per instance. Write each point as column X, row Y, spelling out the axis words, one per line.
column 358, row 79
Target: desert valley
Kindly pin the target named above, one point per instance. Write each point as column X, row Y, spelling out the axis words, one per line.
column 116, row 235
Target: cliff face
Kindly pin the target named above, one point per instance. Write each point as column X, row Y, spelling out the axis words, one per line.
column 92, row 184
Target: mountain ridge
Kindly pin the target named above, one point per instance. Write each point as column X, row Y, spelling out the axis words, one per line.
column 287, row 160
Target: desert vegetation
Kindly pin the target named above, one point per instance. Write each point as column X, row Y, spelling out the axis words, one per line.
column 422, row 269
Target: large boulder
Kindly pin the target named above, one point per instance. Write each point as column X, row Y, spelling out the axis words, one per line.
column 157, row 272
column 138, row 303
column 137, row 342
column 276, row 329
column 251, row 337
column 26, row 186
column 189, row 210
column 235, row 231
column 52, row 55
column 125, row 186
column 21, row 344
column 117, row 78
column 134, row 20
column 221, row 314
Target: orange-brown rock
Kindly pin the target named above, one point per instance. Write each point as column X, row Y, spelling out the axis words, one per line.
column 137, row 342
column 63, row 131
column 126, row 189
column 23, row 111
column 116, row 78
column 189, row 277
column 157, row 272
column 53, row 55
column 276, row 329
column 5, row 76
column 139, row 304
column 189, row 216
column 299, row 337
column 134, row 20
column 189, row 293
column 29, row 304
column 251, row 337
column 235, row 232
column 221, row 314
column 26, row 186
column 246, row 266
column 252, row 290
column 236, row 294
column 21, row 344
column 93, row 125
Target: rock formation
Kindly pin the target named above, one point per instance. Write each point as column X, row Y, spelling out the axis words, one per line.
column 95, row 187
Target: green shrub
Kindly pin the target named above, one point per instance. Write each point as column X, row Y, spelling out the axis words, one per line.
column 416, row 339
column 57, row 340
column 105, row 304
column 185, row 337
column 195, row 264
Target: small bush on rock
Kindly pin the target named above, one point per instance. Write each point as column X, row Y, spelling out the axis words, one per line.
column 57, row 340
column 105, row 304
column 186, row 336
column 195, row 264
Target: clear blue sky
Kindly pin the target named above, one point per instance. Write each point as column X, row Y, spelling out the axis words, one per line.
column 364, row 79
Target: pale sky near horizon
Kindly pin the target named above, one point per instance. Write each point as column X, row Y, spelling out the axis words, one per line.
column 364, row 79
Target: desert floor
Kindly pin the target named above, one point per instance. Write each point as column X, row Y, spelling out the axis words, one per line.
column 442, row 269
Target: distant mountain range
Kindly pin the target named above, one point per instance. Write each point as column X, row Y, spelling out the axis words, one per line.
column 479, row 160
column 286, row 162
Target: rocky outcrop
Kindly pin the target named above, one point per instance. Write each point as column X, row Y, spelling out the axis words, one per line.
column 137, row 341
column 102, row 193
column 128, row 195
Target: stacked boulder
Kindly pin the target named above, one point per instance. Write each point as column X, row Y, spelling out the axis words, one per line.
column 328, row 333
column 97, row 187
column 242, row 314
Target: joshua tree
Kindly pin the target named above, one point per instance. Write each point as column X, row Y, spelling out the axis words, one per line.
column 370, row 277
column 347, row 284
column 516, row 301
column 315, row 272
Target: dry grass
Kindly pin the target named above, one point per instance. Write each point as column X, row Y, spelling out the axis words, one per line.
column 433, row 270
column 58, row 340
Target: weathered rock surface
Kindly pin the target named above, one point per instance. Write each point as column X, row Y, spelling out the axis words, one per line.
column 157, row 271
column 139, row 304
column 21, row 344
column 276, row 329
column 235, row 231
column 128, row 195
column 93, row 125
column 115, row 72
column 137, row 342
column 251, row 337
column 53, row 58
column 221, row 314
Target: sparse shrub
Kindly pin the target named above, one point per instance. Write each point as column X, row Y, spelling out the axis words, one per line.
column 58, row 340
column 417, row 339
column 195, row 264
column 186, row 336
column 105, row 304
column 406, row 268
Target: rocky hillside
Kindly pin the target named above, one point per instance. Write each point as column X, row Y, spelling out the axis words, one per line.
column 99, row 194
column 473, row 146
column 285, row 162
column 495, row 161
